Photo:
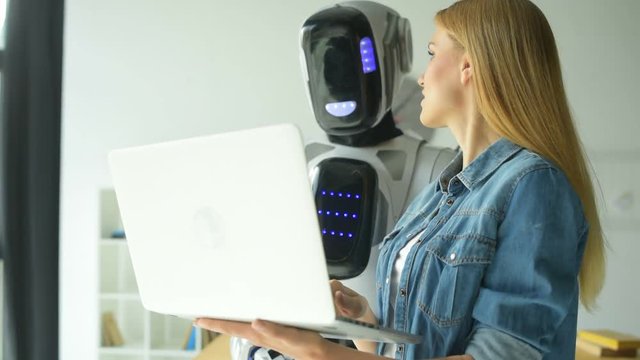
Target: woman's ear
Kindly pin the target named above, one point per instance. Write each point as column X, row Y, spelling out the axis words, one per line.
column 466, row 72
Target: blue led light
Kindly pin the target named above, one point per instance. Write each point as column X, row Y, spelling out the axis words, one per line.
column 368, row 55
column 357, row 196
column 354, row 216
column 340, row 194
column 324, row 193
column 345, row 214
column 328, row 212
column 319, row 211
column 337, row 233
column 337, row 214
column 348, row 195
column 341, row 108
column 331, row 193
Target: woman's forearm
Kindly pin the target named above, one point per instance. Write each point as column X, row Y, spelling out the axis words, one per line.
column 333, row 351
column 366, row 345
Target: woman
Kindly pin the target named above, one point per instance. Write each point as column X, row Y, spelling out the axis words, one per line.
column 489, row 261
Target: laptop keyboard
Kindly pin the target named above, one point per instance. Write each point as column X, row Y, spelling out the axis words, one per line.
column 356, row 322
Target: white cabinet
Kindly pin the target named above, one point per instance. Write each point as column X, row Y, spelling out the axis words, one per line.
column 145, row 335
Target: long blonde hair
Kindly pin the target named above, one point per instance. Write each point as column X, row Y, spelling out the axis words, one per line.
column 519, row 92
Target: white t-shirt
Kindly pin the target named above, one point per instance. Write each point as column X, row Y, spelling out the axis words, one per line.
column 390, row 349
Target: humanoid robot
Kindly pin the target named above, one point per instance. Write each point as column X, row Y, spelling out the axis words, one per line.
column 375, row 157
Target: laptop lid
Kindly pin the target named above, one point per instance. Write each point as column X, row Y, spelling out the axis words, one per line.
column 224, row 226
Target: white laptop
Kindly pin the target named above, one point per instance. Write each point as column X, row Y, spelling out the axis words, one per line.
column 225, row 226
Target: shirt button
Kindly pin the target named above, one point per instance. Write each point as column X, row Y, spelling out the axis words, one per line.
column 403, row 292
column 387, row 280
column 452, row 256
column 450, row 202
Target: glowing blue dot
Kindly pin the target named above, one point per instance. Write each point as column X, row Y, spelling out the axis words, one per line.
column 333, row 233
column 324, row 231
column 357, row 196
column 337, row 214
column 319, row 211
column 324, row 193
column 348, row 195
column 364, row 51
column 331, row 193
column 341, row 234
column 345, row 214
column 350, row 235
column 328, row 212
column 340, row 194
column 354, row 216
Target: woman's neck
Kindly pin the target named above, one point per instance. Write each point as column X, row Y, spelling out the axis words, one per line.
column 474, row 135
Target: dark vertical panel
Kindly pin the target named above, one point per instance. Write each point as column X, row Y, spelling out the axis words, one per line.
column 32, row 72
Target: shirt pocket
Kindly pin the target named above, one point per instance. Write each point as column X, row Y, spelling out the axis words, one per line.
column 451, row 276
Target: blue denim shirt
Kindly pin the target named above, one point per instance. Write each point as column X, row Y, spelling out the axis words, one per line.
column 502, row 250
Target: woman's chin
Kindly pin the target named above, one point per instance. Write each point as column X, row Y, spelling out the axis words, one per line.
column 428, row 121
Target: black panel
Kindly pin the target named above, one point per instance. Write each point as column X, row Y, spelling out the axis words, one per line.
column 332, row 46
column 345, row 196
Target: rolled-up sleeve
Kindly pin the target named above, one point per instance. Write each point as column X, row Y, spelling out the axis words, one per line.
column 531, row 284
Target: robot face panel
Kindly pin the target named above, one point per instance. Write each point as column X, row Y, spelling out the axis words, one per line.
column 345, row 193
column 343, row 68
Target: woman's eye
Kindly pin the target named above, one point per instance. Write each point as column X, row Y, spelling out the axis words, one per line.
column 430, row 53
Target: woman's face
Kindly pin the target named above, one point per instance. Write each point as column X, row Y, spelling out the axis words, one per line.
column 441, row 82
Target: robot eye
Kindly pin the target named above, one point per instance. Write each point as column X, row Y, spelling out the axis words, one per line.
column 367, row 55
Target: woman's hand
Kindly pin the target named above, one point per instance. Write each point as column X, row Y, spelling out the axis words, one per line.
column 295, row 343
column 350, row 304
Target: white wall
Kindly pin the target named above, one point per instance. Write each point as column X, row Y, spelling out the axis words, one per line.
column 141, row 71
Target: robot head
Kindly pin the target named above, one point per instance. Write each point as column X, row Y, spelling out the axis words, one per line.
column 353, row 56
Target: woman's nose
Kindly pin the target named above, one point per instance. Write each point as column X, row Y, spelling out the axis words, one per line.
column 420, row 80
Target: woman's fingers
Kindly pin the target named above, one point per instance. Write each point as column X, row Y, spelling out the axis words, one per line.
column 273, row 330
column 350, row 306
column 232, row 328
column 348, row 302
column 284, row 339
column 335, row 286
column 349, row 291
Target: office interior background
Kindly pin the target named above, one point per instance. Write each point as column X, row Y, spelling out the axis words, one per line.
column 143, row 71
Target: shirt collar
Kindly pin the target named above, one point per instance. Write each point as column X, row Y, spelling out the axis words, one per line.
column 481, row 167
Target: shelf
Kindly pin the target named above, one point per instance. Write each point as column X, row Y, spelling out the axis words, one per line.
column 120, row 296
column 146, row 335
column 116, row 271
column 113, row 241
column 113, row 356
column 127, row 349
column 174, row 353
column 169, row 333
column 130, row 320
